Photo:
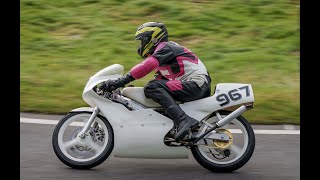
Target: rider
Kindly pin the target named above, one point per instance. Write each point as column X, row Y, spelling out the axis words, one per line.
column 180, row 75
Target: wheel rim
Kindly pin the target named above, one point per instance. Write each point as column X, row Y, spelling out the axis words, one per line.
column 237, row 148
column 95, row 143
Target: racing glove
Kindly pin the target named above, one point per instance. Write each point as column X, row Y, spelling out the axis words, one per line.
column 111, row 85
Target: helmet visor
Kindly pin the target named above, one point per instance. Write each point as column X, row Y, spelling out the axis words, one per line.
column 142, row 40
column 138, row 45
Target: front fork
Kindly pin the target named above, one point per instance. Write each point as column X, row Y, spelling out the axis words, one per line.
column 94, row 114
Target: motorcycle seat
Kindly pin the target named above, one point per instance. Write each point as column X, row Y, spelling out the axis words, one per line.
column 137, row 94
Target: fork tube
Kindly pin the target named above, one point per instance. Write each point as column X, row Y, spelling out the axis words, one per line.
column 90, row 121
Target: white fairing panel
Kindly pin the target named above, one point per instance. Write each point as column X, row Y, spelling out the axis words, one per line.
column 226, row 95
column 137, row 94
column 114, row 71
column 139, row 134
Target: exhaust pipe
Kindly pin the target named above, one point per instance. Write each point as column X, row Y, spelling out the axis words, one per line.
column 223, row 122
column 231, row 116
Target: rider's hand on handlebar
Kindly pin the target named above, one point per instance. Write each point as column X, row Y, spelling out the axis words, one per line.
column 109, row 85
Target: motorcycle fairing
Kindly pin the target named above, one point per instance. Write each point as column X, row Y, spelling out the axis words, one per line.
column 140, row 133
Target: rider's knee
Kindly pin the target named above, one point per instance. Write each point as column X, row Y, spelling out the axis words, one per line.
column 150, row 88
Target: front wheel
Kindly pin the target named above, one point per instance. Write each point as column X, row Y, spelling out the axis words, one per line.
column 82, row 153
column 225, row 156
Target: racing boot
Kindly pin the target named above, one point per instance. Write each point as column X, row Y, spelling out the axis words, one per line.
column 182, row 120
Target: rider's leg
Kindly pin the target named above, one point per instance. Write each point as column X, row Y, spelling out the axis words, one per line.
column 167, row 92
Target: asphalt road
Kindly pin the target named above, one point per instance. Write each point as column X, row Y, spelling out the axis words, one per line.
column 276, row 156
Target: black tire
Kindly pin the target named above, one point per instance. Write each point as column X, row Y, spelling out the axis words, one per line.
column 88, row 164
column 227, row 168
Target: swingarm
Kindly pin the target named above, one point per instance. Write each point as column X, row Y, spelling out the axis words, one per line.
column 220, row 123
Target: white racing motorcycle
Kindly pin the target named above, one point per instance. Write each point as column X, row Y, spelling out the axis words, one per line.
column 126, row 124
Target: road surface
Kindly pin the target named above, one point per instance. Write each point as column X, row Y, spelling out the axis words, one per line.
column 276, row 156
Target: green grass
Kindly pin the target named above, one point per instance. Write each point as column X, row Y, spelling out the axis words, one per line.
column 64, row 42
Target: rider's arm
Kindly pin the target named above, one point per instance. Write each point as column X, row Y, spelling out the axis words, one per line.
column 161, row 55
column 144, row 68
column 137, row 72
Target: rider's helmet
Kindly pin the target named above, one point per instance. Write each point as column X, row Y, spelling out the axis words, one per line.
column 150, row 34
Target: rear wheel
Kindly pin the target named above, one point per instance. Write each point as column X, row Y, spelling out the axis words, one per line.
column 82, row 153
column 226, row 156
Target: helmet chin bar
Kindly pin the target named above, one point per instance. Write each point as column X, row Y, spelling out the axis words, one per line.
column 140, row 50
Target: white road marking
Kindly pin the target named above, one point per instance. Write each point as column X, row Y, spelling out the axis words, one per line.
column 46, row 121
column 262, row 131
column 257, row 131
column 38, row 121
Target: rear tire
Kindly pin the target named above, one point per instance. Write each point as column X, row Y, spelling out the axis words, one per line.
column 83, row 164
column 229, row 167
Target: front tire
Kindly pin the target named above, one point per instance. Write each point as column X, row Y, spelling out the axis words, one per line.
column 82, row 157
column 217, row 166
